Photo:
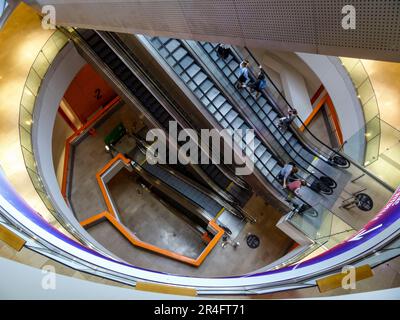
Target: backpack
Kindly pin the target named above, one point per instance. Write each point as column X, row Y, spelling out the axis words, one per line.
column 262, row 84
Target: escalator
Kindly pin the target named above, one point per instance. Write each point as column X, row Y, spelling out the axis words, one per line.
column 193, row 74
column 198, row 77
column 217, row 178
column 266, row 110
column 182, row 194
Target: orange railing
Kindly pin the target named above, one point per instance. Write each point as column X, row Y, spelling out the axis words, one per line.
column 76, row 134
column 110, row 216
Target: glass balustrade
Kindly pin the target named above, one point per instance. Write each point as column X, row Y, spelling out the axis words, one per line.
column 30, row 91
column 321, row 226
column 376, row 146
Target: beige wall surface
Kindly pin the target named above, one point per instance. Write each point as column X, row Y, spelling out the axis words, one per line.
column 61, row 132
column 385, row 79
column 20, row 41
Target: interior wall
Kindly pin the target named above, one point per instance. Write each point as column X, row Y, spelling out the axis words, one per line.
column 293, row 84
column 63, row 70
column 290, row 58
column 87, row 93
column 61, row 132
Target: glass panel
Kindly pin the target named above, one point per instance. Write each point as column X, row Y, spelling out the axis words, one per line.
column 365, row 91
column 25, row 139
column 355, row 146
column 358, row 74
column 33, row 81
column 28, row 100
column 349, row 63
column 322, row 226
column 372, row 151
column 25, row 119
column 29, row 159
column 314, row 222
column 41, row 65
column 59, row 39
column 32, row 85
column 46, row 200
column 370, row 109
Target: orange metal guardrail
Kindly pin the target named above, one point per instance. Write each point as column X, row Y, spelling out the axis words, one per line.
column 110, row 216
column 76, row 134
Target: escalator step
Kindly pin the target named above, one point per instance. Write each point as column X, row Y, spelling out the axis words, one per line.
column 100, row 47
column 94, row 40
column 119, row 69
column 164, row 118
column 114, row 63
column 86, row 33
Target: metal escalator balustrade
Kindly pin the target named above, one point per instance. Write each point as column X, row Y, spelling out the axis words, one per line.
column 180, row 182
column 188, row 123
column 205, row 89
column 126, row 76
column 147, row 99
column 266, row 114
column 281, row 105
column 190, row 192
column 335, row 157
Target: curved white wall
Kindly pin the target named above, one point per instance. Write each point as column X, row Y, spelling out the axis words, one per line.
column 344, row 97
column 293, row 84
column 59, row 76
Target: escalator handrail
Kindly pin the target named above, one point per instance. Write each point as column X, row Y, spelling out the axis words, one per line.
column 340, row 154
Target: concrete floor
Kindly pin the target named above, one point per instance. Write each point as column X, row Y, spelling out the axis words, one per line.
column 222, row 261
column 150, row 220
column 88, row 158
